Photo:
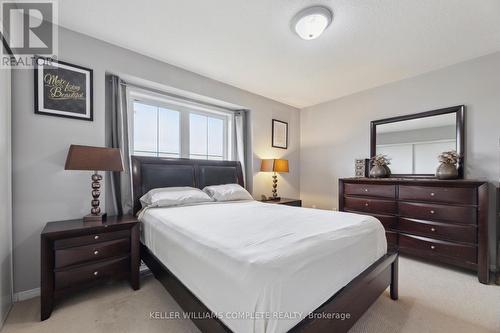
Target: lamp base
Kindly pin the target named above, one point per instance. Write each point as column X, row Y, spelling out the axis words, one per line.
column 94, row 218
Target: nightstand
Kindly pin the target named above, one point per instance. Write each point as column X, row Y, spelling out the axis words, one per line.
column 77, row 254
column 285, row 201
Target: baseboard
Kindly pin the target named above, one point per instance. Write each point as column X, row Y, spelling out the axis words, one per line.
column 27, row 294
column 2, row 320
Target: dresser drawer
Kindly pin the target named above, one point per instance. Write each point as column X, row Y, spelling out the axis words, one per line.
column 445, row 231
column 452, row 195
column 91, row 272
column 370, row 205
column 389, row 222
column 90, row 239
column 432, row 212
column 80, row 254
column 429, row 246
column 382, row 191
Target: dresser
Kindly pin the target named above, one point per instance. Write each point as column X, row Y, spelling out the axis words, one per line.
column 444, row 221
column 77, row 254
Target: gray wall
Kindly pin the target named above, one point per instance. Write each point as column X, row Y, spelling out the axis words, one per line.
column 337, row 132
column 5, row 197
column 43, row 191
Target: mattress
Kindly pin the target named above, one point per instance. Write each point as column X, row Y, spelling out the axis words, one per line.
column 262, row 267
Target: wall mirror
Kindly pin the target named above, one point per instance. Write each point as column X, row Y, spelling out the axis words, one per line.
column 413, row 142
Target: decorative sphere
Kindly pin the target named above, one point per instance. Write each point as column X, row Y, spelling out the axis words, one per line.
column 95, row 210
column 96, row 177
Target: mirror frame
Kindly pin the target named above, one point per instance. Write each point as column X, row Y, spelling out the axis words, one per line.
column 459, row 110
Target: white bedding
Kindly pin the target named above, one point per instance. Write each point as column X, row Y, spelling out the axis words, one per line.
column 262, row 267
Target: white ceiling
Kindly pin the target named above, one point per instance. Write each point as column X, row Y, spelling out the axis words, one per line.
column 249, row 43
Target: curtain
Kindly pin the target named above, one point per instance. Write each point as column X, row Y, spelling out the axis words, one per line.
column 240, row 140
column 121, row 182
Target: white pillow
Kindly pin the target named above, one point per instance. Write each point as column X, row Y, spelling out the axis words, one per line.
column 173, row 196
column 227, row 192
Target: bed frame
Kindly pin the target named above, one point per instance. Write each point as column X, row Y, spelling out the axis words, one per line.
column 354, row 299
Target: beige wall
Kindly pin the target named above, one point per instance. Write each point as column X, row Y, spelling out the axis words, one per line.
column 335, row 133
column 5, row 196
column 43, row 191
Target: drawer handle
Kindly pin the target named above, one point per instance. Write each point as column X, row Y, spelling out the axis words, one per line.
column 96, row 273
column 366, row 204
column 96, row 237
column 366, row 190
column 433, row 194
column 433, row 247
column 433, row 229
column 432, row 212
column 96, row 252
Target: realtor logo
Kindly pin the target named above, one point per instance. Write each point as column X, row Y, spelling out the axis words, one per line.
column 28, row 28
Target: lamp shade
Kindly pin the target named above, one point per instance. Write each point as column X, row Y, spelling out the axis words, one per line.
column 274, row 165
column 93, row 158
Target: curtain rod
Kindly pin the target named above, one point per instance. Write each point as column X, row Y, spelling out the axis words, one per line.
column 188, row 99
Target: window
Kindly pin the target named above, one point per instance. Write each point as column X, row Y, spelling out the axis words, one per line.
column 156, row 131
column 165, row 129
column 206, row 137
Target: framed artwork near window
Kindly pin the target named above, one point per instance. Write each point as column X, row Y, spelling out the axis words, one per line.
column 63, row 89
column 279, row 134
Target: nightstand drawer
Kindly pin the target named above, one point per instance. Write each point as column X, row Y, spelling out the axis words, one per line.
column 91, row 272
column 90, row 239
column 294, row 203
column 92, row 252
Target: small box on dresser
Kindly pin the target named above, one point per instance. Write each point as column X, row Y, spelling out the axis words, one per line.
column 498, row 235
column 445, row 221
column 76, row 254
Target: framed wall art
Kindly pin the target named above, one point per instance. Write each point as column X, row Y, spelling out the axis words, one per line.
column 280, row 134
column 63, row 89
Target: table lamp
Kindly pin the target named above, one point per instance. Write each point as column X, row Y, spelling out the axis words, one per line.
column 94, row 159
column 274, row 166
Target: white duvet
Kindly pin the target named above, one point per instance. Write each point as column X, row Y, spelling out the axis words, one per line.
column 262, row 267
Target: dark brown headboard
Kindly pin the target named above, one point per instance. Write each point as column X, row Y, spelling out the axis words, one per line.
column 155, row 172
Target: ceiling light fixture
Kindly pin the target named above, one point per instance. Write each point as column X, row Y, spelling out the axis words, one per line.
column 310, row 22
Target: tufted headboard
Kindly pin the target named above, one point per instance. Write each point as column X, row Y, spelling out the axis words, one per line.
column 154, row 172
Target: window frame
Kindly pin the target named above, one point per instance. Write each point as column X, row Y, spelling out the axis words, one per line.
column 185, row 108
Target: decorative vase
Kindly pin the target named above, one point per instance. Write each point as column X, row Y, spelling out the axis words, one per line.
column 389, row 172
column 447, row 171
column 379, row 171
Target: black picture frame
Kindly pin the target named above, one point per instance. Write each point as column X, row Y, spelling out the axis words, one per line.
column 68, row 93
column 459, row 111
column 277, row 129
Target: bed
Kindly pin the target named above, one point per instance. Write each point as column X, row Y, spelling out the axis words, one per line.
column 248, row 266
